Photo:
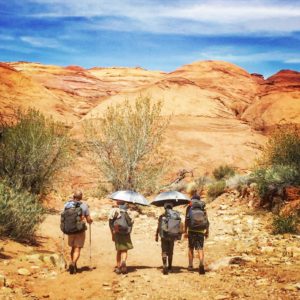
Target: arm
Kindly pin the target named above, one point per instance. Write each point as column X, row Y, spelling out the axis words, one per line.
column 186, row 220
column 207, row 230
column 89, row 219
column 158, row 228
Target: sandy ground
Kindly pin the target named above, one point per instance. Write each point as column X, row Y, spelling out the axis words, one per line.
column 263, row 275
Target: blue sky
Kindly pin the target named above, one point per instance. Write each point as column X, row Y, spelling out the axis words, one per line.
column 260, row 36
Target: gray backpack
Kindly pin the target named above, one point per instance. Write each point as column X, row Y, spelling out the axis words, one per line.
column 170, row 225
column 71, row 220
column 197, row 216
column 123, row 224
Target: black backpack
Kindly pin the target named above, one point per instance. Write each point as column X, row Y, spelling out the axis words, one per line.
column 123, row 224
column 171, row 225
column 71, row 220
column 197, row 216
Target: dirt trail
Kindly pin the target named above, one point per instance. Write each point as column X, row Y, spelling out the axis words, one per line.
column 264, row 272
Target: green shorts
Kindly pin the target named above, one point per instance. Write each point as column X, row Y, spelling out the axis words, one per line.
column 123, row 242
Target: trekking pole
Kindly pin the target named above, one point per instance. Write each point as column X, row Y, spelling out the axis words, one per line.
column 90, row 233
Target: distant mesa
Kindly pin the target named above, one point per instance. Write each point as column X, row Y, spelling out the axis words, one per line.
column 75, row 68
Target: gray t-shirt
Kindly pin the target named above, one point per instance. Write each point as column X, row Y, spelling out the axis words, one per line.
column 84, row 207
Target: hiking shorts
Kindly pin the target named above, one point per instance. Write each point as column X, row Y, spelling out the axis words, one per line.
column 167, row 246
column 76, row 240
column 196, row 240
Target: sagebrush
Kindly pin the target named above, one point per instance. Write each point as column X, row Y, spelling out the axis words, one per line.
column 127, row 144
column 216, row 189
column 283, row 148
column 285, row 224
column 274, row 178
column 20, row 213
column 223, row 172
column 33, row 149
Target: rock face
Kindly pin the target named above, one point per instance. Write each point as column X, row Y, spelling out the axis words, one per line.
column 278, row 102
column 214, row 105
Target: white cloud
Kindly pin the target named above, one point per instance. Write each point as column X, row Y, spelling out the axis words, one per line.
column 186, row 17
column 40, row 42
column 229, row 53
column 292, row 61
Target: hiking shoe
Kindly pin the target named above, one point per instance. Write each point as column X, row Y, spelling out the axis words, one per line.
column 117, row 271
column 190, row 268
column 72, row 269
column 123, row 268
column 170, row 270
column 201, row 270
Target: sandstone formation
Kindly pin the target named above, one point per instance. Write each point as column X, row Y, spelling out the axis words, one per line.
column 215, row 107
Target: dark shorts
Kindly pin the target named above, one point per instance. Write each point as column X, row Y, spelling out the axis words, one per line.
column 167, row 246
column 196, row 240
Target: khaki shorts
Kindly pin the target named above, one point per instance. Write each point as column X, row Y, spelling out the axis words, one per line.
column 76, row 239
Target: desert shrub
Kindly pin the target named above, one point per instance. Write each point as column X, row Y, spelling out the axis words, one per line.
column 222, row 172
column 20, row 213
column 274, row 178
column 283, row 148
column 126, row 142
column 285, row 224
column 32, row 150
column 237, row 181
column 216, row 189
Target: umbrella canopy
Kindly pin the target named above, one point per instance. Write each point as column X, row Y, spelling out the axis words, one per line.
column 175, row 197
column 130, row 197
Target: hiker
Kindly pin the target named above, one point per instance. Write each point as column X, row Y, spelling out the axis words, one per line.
column 120, row 224
column 169, row 229
column 73, row 223
column 196, row 228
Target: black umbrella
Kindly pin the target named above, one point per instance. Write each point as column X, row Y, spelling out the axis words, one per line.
column 176, row 198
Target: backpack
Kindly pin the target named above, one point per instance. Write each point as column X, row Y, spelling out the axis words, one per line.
column 197, row 216
column 71, row 220
column 171, row 225
column 123, row 225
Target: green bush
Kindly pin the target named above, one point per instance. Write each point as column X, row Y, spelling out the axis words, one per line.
column 283, row 148
column 20, row 213
column 275, row 177
column 32, row 150
column 223, row 172
column 283, row 224
column 216, row 189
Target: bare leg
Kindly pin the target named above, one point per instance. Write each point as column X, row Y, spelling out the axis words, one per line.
column 118, row 258
column 123, row 262
column 72, row 254
column 124, row 256
column 201, row 257
column 76, row 255
column 191, row 256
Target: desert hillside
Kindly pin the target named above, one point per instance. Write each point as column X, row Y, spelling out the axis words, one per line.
column 215, row 106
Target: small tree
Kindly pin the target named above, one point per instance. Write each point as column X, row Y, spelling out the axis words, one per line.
column 127, row 142
column 32, row 150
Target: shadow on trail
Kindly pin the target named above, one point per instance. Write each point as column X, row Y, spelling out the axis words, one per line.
column 175, row 270
column 131, row 269
column 85, row 269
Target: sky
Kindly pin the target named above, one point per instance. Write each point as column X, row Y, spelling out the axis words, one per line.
column 260, row 36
